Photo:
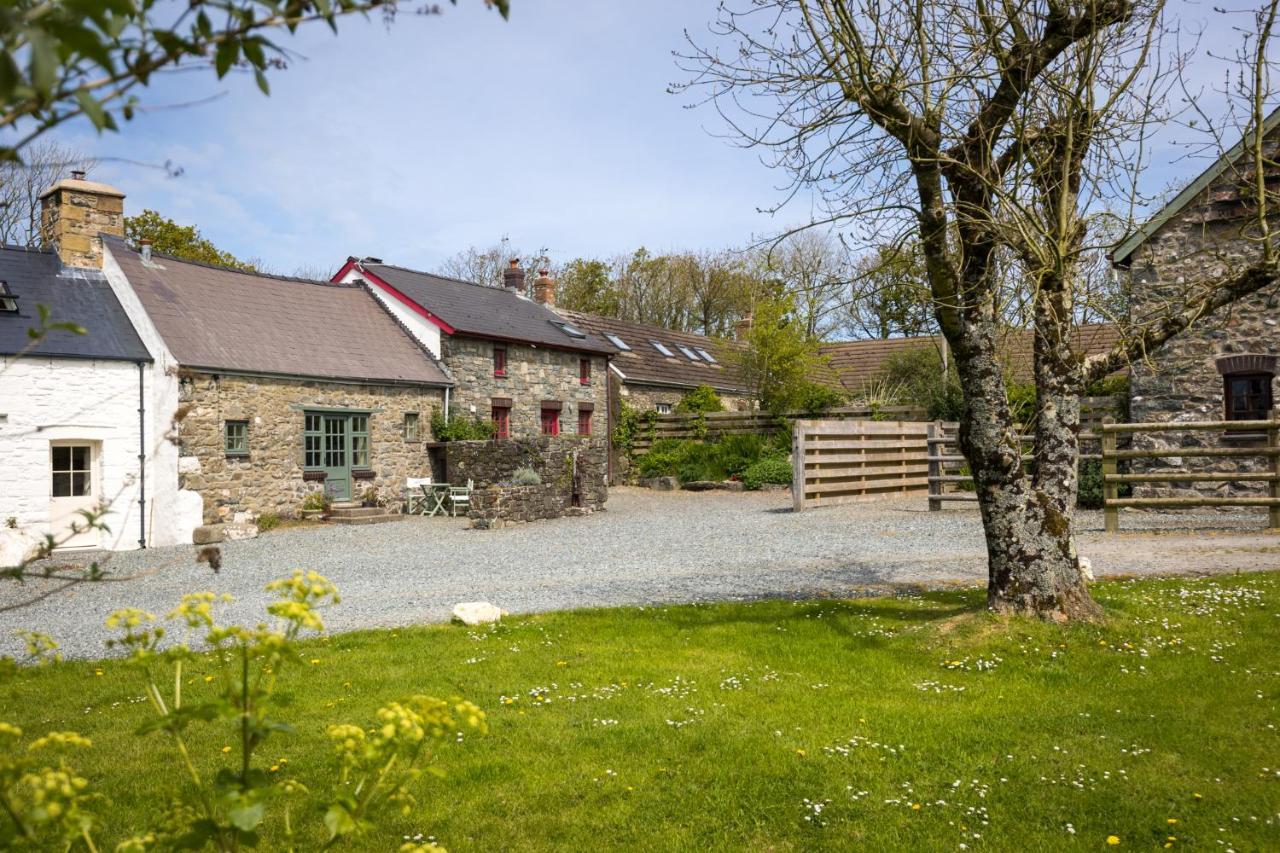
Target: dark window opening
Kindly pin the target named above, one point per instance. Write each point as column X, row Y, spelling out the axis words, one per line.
column 584, row 422
column 1247, row 396
column 499, row 361
column 584, row 371
column 550, row 422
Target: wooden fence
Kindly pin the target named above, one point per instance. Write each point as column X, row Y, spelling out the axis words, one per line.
column 713, row 425
column 1269, row 450
column 836, row 462
column 947, row 475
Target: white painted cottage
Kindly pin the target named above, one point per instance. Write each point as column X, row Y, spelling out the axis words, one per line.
column 78, row 427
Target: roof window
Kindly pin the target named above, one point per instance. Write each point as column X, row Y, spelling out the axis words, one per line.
column 710, row 359
column 688, row 353
column 8, row 302
column 662, row 348
column 568, row 330
column 617, row 342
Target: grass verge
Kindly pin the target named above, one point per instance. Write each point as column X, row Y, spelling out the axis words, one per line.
column 917, row 722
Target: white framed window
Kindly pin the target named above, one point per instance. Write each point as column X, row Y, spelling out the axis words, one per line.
column 662, row 408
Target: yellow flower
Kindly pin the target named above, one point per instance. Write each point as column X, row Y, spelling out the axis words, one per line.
column 1113, row 840
column 801, row 753
column 1171, row 821
column 208, row 678
column 226, row 749
column 1198, row 796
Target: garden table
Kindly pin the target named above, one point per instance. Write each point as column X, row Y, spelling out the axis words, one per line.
column 434, row 496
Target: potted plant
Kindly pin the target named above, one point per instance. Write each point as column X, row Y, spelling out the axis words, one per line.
column 371, row 497
column 315, row 506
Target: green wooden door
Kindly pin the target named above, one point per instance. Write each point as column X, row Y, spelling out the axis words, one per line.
column 337, row 457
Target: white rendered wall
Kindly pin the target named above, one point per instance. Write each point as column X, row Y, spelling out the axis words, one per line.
column 172, row 513
column 427, row 332
column 49, row 399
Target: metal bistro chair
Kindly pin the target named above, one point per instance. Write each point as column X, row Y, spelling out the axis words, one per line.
column 415, row 496
column 460, row 496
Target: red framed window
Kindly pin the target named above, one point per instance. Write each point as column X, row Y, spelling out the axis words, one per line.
column 550, row 421
column 584, row 371
column 584, row 422
column 501, row 421
column 499, row 361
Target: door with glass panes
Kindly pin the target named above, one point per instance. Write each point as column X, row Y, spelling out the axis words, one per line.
column 73, row 490
column 337, row 444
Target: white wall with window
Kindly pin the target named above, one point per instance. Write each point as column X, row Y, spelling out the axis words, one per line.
column 70, row 433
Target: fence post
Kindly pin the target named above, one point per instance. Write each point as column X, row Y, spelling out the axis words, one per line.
column 1110, row 514
column 1273, row 445
column 935, row 467
column 797, row 465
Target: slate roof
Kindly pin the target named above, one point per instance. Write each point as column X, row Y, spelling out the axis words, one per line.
column 643, row 364
column 484, row 312
column 83, row 297
column 220, row 319
column 857, row 363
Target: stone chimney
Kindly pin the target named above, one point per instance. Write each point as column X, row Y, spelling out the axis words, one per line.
column 73, row 212
column 544, row 288
column 742, row 328
column 513, row 276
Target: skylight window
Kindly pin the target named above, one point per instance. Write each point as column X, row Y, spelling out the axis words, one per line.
column 688, row 353
column 710, row 359
column 661, row 347
column 569, row 330
column 617, row 342
column 8, row 302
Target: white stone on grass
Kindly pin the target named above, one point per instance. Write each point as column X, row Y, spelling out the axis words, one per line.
column 477, row 612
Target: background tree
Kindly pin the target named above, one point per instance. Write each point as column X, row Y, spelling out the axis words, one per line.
column 888, row 296
column 43, row 164
column 779, row 360
column 180, row 241
column 88, row 57
column 587, row 285
column 989, row 133
column 813, row 267
column 484, row 264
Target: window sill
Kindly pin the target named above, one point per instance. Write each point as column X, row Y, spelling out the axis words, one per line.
column 229, row 455
column 309, row 476
column 1241, row 437
column 362, row 474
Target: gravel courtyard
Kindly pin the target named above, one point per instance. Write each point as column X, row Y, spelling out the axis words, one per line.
column 649, row 547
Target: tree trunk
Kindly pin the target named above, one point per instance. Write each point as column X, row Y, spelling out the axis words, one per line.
column 1032, row 563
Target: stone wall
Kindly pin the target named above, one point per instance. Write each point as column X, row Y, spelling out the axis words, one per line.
column 573, row 472
column 270, row 478
column 72, row 215
column 534, row 374
column 645, row 398
column 1180, row 381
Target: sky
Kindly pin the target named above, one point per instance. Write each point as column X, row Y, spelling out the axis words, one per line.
column 413, row 141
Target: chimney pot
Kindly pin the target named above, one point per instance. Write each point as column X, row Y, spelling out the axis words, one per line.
column 77, row 174
column 144, row 248
column 742, row 328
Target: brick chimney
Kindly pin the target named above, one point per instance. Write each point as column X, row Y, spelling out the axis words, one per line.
column 544, row 288
column 742, row 328
column 513, row 276
column 73, row 212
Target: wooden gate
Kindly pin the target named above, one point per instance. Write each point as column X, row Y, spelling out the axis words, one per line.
column 839, row 462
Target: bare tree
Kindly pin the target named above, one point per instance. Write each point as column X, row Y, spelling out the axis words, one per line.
column 888, row 295
column 813, row 267
column 990, row 132
column 484, row 265
column 44, row 163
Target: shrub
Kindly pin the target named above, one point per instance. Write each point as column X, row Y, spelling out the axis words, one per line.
column 525, row 477
column 268, row 521
column 315, row 500
column 727, row 458
column 701, row 399
column 771, row 469
column 1089, row 490
column 461, row 428
column 814, row 398
column 919, row 379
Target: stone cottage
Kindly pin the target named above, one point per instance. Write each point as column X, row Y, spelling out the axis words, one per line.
column 1223, row 367
column 276, row 386
column 514, row 361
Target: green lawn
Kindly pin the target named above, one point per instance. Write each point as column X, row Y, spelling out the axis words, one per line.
column 917, row 722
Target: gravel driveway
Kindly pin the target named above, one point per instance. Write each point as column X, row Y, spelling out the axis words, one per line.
column 648, row 547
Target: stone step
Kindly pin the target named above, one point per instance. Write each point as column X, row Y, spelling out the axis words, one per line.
column 346, row 505
column 368, row 519
column 356, row 511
